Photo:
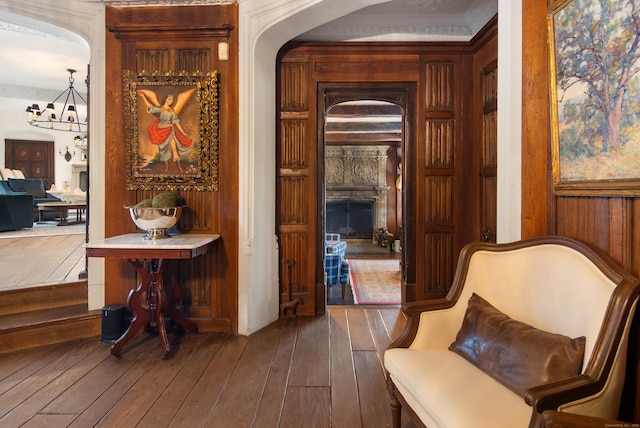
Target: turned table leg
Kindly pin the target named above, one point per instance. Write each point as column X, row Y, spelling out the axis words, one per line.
column 171, row 308
column 141, row 315
column 152, row 282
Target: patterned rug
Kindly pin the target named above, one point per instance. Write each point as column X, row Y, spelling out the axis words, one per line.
column 375, row 281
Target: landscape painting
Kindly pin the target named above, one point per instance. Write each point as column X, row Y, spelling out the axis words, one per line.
column 595, row 91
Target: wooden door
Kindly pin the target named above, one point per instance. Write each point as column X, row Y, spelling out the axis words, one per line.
column 34, row 158
column 439, row 166
column 488, row 169
column 296, row 208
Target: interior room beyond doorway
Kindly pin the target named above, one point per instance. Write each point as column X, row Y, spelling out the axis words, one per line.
column 363, row 169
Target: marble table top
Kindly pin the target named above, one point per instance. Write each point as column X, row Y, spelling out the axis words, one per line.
column 185, row 241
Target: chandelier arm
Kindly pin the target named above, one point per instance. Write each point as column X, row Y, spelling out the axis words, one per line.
column 35, row 116
column 79, row 95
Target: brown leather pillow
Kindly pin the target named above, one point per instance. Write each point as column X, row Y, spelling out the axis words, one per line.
column 515, row 354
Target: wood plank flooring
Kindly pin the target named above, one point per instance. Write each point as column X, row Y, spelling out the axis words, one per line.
column 36, row 261
column 324, row 371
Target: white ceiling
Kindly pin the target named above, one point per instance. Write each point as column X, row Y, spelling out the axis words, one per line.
column 34, row 54
column 410, row 20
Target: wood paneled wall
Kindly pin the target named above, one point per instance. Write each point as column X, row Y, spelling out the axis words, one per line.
column 610, row 223
column 441, row 151
column 178, row 39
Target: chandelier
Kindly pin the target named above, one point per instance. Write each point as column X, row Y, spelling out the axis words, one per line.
column 67, row 120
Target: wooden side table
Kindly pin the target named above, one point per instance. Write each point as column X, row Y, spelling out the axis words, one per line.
column 149, row 258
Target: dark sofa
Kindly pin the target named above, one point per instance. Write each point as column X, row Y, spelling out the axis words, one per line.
column 16, row 208
column 35, row 187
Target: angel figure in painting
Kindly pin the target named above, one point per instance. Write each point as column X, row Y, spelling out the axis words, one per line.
column 165, row 131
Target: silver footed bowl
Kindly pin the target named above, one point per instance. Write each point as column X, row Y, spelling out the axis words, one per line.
column 155, row 221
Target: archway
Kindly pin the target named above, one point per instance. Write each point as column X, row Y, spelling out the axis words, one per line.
column 394, row 99
column 363, row 143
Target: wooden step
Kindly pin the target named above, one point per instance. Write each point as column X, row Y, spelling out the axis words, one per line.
column 46, row 314
column 48, row 326
column 23, row 300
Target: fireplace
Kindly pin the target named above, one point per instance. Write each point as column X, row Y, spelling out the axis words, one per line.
column 79, row 177
column 356, row 190
column 351, row 219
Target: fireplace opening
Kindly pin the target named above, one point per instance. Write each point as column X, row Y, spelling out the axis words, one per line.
column 83, row 180
column 351, row 219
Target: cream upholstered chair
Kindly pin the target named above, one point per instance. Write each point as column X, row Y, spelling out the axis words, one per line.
column 553, row 284
column 6, row 173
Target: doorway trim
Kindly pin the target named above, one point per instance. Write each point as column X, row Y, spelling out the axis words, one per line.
column 402, row 94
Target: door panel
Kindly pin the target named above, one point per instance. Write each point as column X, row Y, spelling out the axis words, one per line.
column 488, row 173
column 438, row 191
column 296, row 181
column 34, row 158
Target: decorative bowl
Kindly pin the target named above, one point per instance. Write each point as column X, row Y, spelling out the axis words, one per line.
column 155, row 221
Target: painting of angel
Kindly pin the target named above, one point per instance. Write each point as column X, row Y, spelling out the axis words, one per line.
column 173, row 141
column 171, row 126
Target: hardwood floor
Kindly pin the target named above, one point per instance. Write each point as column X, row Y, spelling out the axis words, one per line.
column 36, row 261
column 324, row 371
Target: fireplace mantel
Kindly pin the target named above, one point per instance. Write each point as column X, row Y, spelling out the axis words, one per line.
column 358, row 173
column 76, row 169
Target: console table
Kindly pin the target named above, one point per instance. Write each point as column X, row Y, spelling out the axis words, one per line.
column 149, row 258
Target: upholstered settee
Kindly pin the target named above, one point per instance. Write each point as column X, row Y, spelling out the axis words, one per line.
column 540, row 324
column 35, row 187
column 15, row 209
column 555, row 419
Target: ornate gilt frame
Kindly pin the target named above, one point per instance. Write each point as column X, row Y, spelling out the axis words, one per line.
column 195, row 167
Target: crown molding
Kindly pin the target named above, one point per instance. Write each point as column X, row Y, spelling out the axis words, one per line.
column 419, row 20
column 142, row 3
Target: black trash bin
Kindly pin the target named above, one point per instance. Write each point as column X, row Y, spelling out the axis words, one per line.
column 113, row 322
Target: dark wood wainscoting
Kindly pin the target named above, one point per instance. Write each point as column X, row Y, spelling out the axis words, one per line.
column 156, row 39
column 611, row 223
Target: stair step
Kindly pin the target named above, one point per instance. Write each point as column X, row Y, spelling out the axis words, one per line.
column 48, row 326
column 35, row 318
column 25, row 300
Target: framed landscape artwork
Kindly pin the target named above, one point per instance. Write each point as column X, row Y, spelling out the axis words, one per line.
column 171, row 128
column 595, row 96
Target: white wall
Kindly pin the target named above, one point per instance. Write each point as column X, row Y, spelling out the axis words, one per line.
column 87, row 19
column 13, row 125
column 509, row 120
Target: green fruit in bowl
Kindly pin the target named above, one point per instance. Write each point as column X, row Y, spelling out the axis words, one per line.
column 144, row 204
column 166, row 200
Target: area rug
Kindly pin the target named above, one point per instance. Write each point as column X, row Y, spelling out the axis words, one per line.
column 375, row 282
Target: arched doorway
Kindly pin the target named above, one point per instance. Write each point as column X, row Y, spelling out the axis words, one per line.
column 383, row 123
column 363, row 143
column 83, row 22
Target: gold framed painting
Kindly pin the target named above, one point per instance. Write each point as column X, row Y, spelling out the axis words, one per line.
column 171, row 129
column 595, row 97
